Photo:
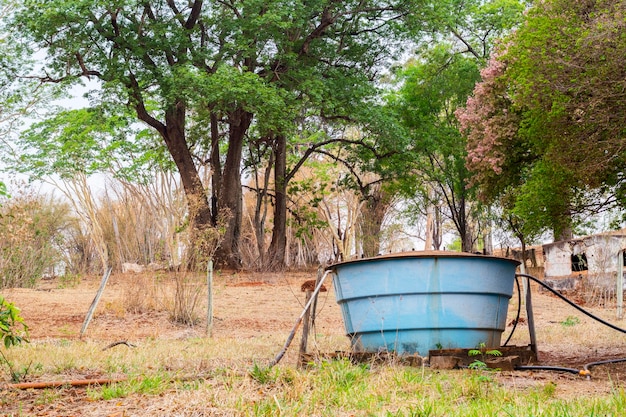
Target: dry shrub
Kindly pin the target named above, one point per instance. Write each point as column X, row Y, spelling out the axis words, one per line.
column 31, row 232
column 141, row 222
column 189, row 279
column 144, row 293
column 188, row 293
column 599, row 290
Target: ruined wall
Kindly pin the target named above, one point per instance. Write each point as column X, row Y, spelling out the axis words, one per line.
column 600, row 252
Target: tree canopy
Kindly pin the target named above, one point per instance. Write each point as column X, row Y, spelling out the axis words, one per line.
column 548, row 117
column 205, row 73
column 433, row 85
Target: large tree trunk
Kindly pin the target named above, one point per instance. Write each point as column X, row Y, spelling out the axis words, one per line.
column 372, row 217
column 216, row 168
column 277, row 249
column 173, row 134
column 261, row 207
column 465, row 229
column 230, row 197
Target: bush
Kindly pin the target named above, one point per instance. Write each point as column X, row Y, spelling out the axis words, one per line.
column 31, row 234
column 13, row 331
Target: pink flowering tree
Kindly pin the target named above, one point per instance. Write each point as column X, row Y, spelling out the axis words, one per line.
column 545, row 125
column 490, row 124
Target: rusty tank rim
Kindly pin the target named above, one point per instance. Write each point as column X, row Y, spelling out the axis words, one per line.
column 420, row 254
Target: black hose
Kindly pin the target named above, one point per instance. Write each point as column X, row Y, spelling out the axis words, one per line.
column 589, row 365
column 585, row 371
column 547, row 368
column 519, row 308
column 577, row 307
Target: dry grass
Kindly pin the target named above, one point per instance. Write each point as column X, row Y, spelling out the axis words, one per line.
column 174, row 370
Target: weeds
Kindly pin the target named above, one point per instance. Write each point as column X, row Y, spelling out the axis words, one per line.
column 263, row 374
column 145, row 385
column 570, row 321
column 484, row 353
column 13, row 332
column 69, row 280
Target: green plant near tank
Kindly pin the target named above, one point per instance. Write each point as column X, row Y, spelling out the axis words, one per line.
column 484, row 353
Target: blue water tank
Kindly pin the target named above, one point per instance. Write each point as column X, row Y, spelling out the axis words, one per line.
column 413, row 302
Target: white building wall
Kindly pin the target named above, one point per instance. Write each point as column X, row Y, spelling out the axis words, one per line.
column 601, row 252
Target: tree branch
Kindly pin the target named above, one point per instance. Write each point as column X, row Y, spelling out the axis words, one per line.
column 86, row 73
column 140, row 108
column 469, row 47
column 194, row 15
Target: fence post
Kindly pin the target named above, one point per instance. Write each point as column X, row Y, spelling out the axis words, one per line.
column 95, row 301
column 209, row 309
column 620, row 284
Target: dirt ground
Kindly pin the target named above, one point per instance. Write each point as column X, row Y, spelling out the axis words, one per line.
column 253, row 305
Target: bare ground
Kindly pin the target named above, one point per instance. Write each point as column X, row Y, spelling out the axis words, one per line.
column 253, row 306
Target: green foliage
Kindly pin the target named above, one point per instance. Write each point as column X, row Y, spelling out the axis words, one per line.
column 3, row 190
column 454, row 246
column 484, row 353
column 199, row 73
column 13, row 330
column 87, row 141
column 146, row 384
column 432, row 87
column 263, row 374
column 570, row 321
column 563, row 157
column 69, row 280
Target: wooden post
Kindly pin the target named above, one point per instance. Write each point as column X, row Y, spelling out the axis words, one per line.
column 531, row 319
column 95, row 301
column 525, row 283
column 620, row 285
column 306, row 322
column 309, row 318
column 209, row 309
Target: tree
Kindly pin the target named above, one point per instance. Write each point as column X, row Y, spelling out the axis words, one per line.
column 217, row 69
column 432, row 86
column 432, row 90
column 546, row 120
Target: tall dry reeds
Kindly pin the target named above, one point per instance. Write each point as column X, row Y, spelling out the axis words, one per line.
column 144, row 222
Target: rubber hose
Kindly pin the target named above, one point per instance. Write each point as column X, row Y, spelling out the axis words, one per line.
column 577, row 307
column 589, row 365
column 547, row 368
column 519, row 308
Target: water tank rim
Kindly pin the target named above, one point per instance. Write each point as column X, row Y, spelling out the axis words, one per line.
column 421, row 254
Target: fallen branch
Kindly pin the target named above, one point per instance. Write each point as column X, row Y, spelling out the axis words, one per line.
column 56, row 384
column 121, row 342
column 298, row 321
